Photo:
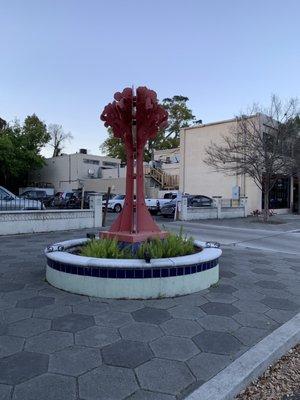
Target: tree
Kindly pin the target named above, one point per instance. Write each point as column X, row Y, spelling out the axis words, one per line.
column 58, row 138
column 259, row 146
column 296, row 154
column 180, row 116
column 20, row 147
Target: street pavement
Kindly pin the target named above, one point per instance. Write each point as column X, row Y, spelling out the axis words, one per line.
column 282, row 235
column 56, row 345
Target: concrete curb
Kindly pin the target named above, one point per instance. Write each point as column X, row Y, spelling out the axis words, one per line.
column 234, row 378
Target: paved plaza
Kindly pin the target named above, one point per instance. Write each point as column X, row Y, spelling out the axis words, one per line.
column 60, row 346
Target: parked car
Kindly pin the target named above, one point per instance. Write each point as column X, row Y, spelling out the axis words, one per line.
column 116, row 203
column 154, row 205
column 168, row 209
column 9, row 202
column 61, row 199
column 40, row 195
column 199, row 201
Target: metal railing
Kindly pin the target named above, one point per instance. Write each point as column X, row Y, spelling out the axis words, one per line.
column 20, row 203
column 230, row 203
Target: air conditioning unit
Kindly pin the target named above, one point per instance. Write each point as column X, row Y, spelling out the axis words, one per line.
column 91, row 172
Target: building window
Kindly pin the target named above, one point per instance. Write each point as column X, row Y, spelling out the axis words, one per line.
column 89, row 161
column 279, row 196
column 109, row 164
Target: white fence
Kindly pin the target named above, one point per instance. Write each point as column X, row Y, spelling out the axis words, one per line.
column 16, row 222
column 221, row 208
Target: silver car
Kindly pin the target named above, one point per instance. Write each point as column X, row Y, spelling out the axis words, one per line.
column 10, row 202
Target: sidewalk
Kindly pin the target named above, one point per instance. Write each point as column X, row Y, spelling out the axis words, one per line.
column 56, row 345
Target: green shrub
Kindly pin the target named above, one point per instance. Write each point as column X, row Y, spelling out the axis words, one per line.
column 174, row 245
column 104, row 248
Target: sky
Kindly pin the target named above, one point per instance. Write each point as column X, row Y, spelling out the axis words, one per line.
column 64, row 59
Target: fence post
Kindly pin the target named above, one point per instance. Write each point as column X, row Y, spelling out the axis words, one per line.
column 183, row 209
column 244, row 203
column 217, row 201
column 96, row 206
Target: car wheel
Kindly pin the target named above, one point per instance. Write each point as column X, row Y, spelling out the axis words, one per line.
column 117, row 208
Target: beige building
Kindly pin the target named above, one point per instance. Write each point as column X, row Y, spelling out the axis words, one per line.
column 72, row 171
column 198, row 178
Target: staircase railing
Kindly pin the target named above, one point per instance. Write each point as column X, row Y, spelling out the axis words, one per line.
column 166, row 181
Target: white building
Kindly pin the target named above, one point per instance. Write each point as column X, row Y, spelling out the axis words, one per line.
column 73, row 171
column 198, row 178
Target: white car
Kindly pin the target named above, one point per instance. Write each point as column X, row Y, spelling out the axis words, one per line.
column 116, row 203
column 9, row 202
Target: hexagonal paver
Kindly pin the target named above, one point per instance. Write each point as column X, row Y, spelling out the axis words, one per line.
column 186, row 312
column 226, row 274
column 280, row 316
column 146, row 395
column 139, row 331
column 97, row 336
column 52, row 311
column 222, row 288
column 15, row 314
column 281, row 304
column 72, row 322
column 4, row 304
column 167, row 376
column 20, row 294
column 9, row 286
column 107, row 382
column 181, row 327
column 71, row 299
column 28, row 327
column 10, row 345
column 255, row 320
column 218, row 297
column 218, row 323
column 126, row 305
column 248, row 294
column 205, row 365
column 5, row 392
column 35, row 302
column 271, row 285
column 90, row 308
column 50, row 386
column 3, row 329
column 251, row 306
column 126, row 353
column 113, row 318
column 174, row 348
column 22, row 366
column 151, row 315
column 191, row 300
column 49, row 341
column 217, row 342
column 163, row 304
column 249, row 336
column 264, row 271
column 74, row 360
column 214, row 308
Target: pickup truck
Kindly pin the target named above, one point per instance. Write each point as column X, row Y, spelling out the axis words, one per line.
column 154, row 205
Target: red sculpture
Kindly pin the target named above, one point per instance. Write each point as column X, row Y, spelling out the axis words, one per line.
column 135, row 119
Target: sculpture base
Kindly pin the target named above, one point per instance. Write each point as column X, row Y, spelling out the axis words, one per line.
column 129, row 237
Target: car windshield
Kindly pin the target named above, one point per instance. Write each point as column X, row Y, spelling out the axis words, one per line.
column 119, row 197
column 5, row 194
column 170, row 202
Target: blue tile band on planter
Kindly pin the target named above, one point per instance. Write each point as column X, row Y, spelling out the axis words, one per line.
column 130, row 278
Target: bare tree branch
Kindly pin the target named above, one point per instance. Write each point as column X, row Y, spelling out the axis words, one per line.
column 58, row 138
column 259, row 146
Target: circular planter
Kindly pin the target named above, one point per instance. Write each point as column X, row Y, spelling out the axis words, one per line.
column 130, row 278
